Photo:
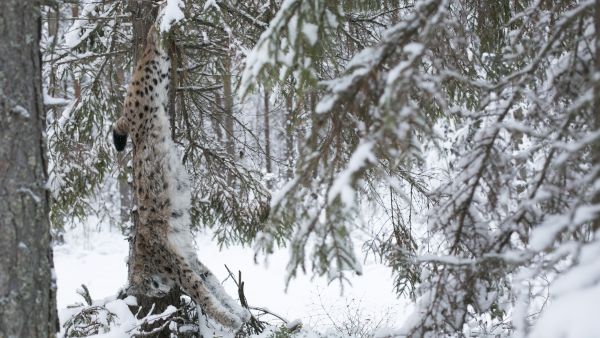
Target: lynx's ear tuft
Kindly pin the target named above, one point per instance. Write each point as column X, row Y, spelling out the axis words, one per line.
column 120, row 141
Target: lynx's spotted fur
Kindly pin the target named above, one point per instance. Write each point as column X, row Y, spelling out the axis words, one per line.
column 162, row 189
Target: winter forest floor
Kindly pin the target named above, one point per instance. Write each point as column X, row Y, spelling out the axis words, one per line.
column 96, row 256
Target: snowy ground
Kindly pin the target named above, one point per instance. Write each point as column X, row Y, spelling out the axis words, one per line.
column 97, row 259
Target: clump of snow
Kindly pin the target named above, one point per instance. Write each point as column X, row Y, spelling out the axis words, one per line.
column 21, row 111
column 211, row 3
column 311, row 31
column 342, row 186
column 170, row 14
column 544, row 235
column 572, row 316
column 55, row 101
column 131, row 301
column 293, row 324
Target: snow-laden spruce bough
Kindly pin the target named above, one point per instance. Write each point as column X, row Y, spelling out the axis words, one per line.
column 162, row 190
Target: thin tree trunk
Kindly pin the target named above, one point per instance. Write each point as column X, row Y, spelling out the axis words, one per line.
column 267, row 128
column 217, row 120
column 289, row 135
column 125, row 194
column 596, row 122
column 27, row 296
column 228, row 106
column 76, row 83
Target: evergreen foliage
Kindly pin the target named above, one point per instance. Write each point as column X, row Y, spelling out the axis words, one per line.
column 473, row 127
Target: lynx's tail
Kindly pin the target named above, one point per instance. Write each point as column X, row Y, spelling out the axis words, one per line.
column 120, row 132
column 200, row 287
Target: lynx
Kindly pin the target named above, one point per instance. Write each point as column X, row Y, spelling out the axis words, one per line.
column 162, row 189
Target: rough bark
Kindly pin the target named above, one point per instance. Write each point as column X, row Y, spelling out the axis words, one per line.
column 27, row 307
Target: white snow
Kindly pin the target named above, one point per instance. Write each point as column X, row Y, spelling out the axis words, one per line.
column 572, row 316
column 30, row 193
column 97, row 259
column 55, row 101
column 311, row 31
column 170, row 14
column 21, row 111
column 342, row 185
column 544, row 234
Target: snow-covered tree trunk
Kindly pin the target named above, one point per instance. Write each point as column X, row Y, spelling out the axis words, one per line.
column 27, row 297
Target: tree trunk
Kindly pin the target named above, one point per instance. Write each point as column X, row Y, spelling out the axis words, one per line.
column 267, row 133
column 228, row 106
column 289, row 135
column 27, row 297
column 596, row 107
column 217, row 120
column 76, row 83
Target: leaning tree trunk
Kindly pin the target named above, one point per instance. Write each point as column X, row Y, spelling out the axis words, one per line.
column 27, row 302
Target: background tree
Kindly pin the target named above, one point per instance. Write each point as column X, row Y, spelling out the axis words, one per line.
column 468, row 127
column 485, row 112
column 27, row 288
